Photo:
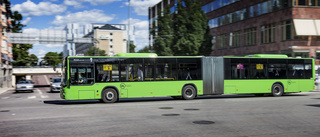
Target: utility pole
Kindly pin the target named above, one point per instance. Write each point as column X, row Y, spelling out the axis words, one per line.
column 128, row 43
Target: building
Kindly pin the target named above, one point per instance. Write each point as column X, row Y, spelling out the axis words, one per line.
column 6, row 57
column 109, row 37
column 74, row 31
column 242, row 27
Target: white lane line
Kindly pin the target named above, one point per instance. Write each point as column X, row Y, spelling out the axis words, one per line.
column 44, row 96
column 39, row 91
column 31, row 97
column 46, row 78
column 5, row 97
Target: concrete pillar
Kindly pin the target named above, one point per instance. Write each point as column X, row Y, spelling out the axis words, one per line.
column 28, row 77
column 13, row 82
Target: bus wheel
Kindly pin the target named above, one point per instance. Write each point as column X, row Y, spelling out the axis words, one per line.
column 189, row 92
column 277, row 90
column 109, row 95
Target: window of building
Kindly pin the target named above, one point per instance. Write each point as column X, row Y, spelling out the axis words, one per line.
column 111, row 33
column 213, row 43
column 306, row 3
column 286, row 30
column 111, row 46
column 268, row 33
column 222, row 41
column 234, row 39
column 250, row 36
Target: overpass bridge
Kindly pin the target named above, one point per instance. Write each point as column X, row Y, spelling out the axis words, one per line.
column 27, row 73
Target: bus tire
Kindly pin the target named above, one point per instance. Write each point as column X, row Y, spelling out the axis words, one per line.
column 188, row 92
column 109, row 95
column 277, row 90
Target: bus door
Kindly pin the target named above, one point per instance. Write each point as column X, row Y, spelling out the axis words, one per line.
column 295, row 72
column 82, row 79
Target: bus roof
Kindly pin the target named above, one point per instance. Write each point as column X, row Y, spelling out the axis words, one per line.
column 136, row 55
column 268, row 56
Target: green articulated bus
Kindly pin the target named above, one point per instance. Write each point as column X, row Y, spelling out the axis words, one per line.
column 130, row 75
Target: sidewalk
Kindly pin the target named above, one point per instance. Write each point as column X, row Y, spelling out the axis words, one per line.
column 3, row 90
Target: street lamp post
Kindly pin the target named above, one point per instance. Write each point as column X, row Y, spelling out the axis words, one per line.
column 128, row 42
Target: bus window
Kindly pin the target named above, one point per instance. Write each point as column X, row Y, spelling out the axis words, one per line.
column 81, row 75
column 148, row 69
column 73, row 76
column 277, row 69
column 131, row 70
column 166, row 69
column 107, row 72
column 239, row 68
column 189, row 69
column 258, row 69
column 308, row 71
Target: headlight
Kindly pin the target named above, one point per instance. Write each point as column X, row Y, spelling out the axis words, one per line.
column 18, row 86
column 29, row 86
column 53, row 85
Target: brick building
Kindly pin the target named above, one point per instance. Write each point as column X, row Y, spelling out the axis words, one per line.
column 242, row 27
column 6, row 57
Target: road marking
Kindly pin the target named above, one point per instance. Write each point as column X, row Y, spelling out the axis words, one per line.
column 39, row 91
column 5, row 97
column 31, row 97
column 46, row 78
column 44, row 96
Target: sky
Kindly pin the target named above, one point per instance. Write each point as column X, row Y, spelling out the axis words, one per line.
column 55, row 14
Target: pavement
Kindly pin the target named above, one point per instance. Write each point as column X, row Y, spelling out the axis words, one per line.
column 3, row 90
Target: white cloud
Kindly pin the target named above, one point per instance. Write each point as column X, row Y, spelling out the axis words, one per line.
column 97, row 2
column 54, row 45
column 26, row 21
column 140, row 7
column 31, row 30
column 84, row 17
column 141, row 32
column 29, row 8
column 75, row 3
column 78, row 3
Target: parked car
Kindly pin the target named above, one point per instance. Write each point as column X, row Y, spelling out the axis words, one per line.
column 317, row 80
column 55, row 84
column 24, row 85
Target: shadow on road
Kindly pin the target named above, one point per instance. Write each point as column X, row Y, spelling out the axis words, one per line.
column 70, row 102
column 314, row 105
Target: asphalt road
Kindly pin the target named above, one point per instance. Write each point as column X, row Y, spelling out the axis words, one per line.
column 44, row 114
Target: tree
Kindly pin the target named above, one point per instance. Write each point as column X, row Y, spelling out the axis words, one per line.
column 16, row 25
column 94, row 51
column 20, row 51
column 163, row 40
column 52, row 58
column 144, row 50
column 180, row 20
column 131, row 48
column 33, row 60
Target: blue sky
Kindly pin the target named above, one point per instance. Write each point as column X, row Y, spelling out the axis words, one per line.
column 55, row 14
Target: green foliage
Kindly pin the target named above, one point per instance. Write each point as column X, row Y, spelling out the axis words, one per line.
column 165, row 34
column 16, row 25
column 189, row 30
column 131, row 48
column 20, row 51
column 52, row 58
column 144, row 50
column 94, row 51
column 21, row 55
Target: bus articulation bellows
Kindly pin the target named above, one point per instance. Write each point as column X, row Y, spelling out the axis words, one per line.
column 129, row 75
